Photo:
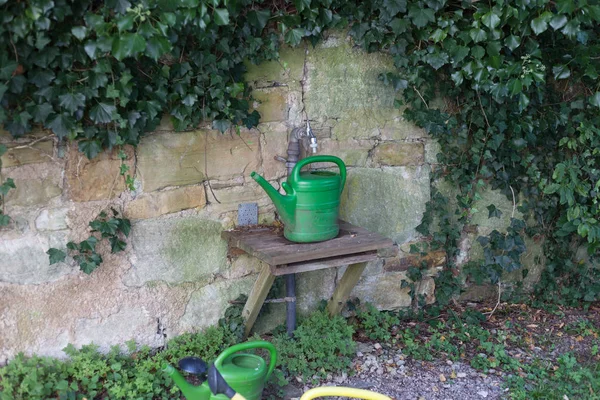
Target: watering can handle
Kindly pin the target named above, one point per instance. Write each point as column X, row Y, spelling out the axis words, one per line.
column 259, row 344
column 316, row 159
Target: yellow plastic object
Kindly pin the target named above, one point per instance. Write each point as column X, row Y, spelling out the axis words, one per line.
column 342, row 391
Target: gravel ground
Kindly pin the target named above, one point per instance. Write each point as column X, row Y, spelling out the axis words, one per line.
column 386, row 371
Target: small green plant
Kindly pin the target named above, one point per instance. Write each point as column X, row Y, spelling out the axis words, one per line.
column 5, row 187
column 321, row 345
column 233, row 320
column 377, row 325
column 87, row 373
column 111, row 228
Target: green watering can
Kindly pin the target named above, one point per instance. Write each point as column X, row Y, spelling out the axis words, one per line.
column 310, row 209
column 245, row 373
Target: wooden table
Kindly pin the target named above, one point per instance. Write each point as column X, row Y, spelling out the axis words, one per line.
column 354, row 246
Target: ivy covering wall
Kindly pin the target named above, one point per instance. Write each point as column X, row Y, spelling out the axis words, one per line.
column 519, row 80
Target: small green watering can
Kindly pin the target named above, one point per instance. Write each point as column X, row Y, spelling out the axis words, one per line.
column 245, row 373
column 310, row 209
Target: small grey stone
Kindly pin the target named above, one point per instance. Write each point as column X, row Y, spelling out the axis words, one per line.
column 483, row 393
column 461, row 375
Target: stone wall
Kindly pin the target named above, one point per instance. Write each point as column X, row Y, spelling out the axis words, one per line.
column 176, row 274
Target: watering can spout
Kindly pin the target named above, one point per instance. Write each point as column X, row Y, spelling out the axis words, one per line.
column 190, row 391
column 286, row 205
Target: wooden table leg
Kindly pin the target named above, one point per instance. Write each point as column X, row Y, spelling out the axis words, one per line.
column 257, row 297
column 343, row 289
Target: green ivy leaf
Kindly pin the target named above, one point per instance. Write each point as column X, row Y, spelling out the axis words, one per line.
column 190, row 99
column 7, row 69
column 102, row 113
column 3, row 149
column 80, row 32
column 157, row 47
column 125, row 23
column 490, row 20
column 221, row 16
column 494, row 212
column 595, row 99
column 478, row 35
column 540, row 24
column 6, row 186
column 41, row 112
column 515, row 86
column 457, row 77
column 394, row 7
column 420, row 16
column 294, row 36
column 42, row 78
column 56, row 255
column 72, row 101
column 61, row 125
column 4, row 219
column 120, row 6
column 301, row 5
column 252, row 119
column 565, row 6
column 571, row 28
column 89, row 244
column 125, row 226
column 478, row 52
column 105, row 227
column 512, row 42
column 116, row 244
column 558, row 22
column 221, row 124
column 128, row 45
column 90, row 49
column 90, row 263
column 259, row 18
column 561, row 72
column 91, row 148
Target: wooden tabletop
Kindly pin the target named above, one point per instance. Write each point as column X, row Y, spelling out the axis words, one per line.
column 270, row 246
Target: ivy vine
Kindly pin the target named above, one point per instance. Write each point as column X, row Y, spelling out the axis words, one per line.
column 104, row 227
column 5, row 187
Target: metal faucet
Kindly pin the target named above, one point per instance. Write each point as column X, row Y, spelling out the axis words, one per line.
column 293, row 151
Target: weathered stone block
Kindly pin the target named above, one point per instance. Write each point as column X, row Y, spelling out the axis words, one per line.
column 430, row 260
column 178, row 159
column 30, row 192
column 178, row 250
column 24, row 260
column 53, row 219
column 400, row 129
column 96, row 179
column 150, row 205
column 394, row 153
column 383, row 291
column 353, row 152
column 37, row 153
column 208, row 304
column 432, row 148
column 118, row 328
column 274, row 141
column 288, row 69
column 390, row 201
column 343, row 80
column 272, row 104
column 242, row 265
column 229, row 198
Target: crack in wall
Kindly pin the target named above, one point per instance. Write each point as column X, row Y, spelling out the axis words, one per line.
column 303, row 83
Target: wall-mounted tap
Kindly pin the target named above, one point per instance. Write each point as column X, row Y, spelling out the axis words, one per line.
column 293, row 151
column 312, row 138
